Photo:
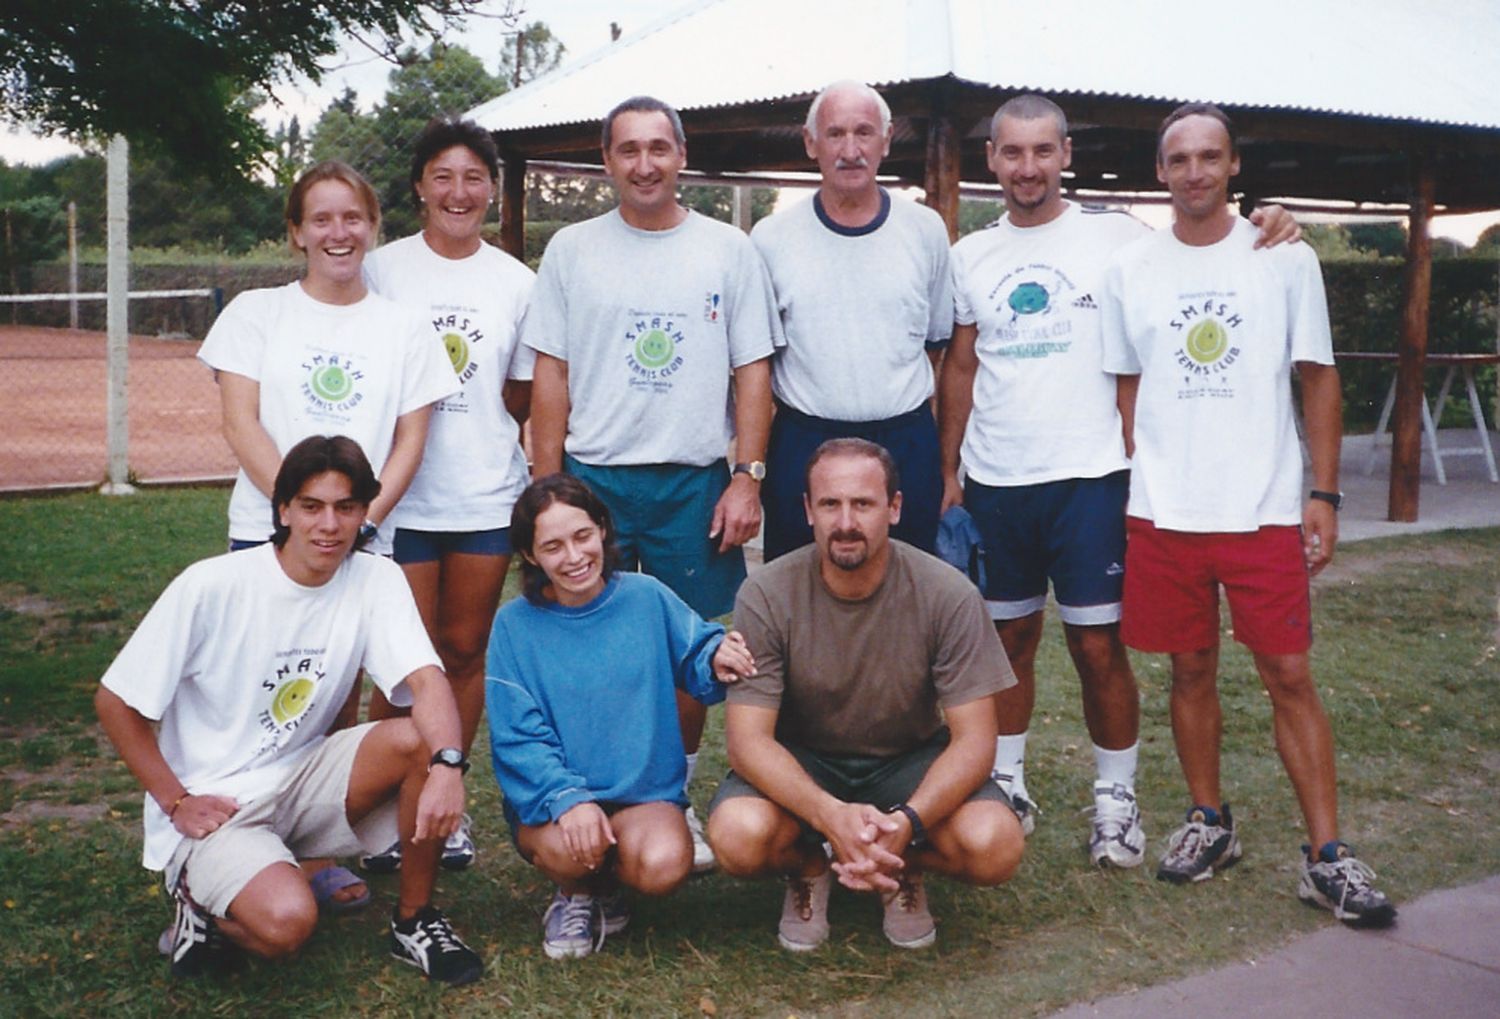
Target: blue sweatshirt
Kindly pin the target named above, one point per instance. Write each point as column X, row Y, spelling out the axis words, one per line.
column 581, row 700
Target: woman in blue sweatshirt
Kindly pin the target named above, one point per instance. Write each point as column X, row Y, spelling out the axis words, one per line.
column 579, row 687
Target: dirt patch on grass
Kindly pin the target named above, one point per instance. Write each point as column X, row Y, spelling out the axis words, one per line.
column 36, row 811
column 1351, row 567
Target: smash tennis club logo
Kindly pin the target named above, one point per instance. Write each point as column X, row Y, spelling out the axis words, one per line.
column 1207, row 324
column 653, row 352
column 460, row 336
column 290, row 692
column 331, row 383
column 1031, row 305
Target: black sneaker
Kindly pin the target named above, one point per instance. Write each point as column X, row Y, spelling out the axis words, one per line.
column 427, row 942
column 387, row 862
column 1343, row 885
column 1206, row 841
column 197, row 946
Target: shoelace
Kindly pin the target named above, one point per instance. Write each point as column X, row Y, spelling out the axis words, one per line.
column 1357, row 876
column 441, row 933
column 581, row 916
column 1187, row 841
column 906, row 895
column 801, row 897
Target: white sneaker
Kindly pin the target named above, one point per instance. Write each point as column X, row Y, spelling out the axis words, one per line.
column 908, row 922
column 1026, row 809
column 703, row 854
column 1118, row 839
column 458, row 851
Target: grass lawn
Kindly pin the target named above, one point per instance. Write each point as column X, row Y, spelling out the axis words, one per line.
column 1406, row 660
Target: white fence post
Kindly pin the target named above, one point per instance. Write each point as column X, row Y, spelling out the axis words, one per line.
column 117, row 277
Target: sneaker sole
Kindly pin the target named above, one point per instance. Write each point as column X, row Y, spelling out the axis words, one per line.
column 797, row 946
column 560, row 952
column 454, row 862
column 1374, row 918
column 922, row 942
column 466, row 977
column 1104, row 861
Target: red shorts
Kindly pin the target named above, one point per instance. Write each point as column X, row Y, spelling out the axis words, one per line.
column 1172, row 579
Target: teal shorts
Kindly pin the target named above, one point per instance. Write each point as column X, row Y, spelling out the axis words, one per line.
column 662, row 513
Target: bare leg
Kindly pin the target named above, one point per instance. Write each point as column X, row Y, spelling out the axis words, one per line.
column 691, row 717
column 981, row 842
column 1111, row 703
column 1198, row 722
column 468, row 595
column 1304, row 740
column 753, row 837
column 272, row 915
column 394, row 757
column 1013, row 706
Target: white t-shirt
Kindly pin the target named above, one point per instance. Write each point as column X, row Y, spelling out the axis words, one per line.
column 246, row 669
column 1213, row 332
column 651, row 322
column 1044, row 408
column 473, row 469
column 324, row 369
column 859, row 308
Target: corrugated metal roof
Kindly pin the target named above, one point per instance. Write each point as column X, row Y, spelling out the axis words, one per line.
column 1402, row 59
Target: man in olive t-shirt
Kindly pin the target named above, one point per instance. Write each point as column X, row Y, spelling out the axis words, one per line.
column 863, row 647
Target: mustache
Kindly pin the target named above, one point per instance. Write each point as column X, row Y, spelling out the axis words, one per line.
column 851, row 164
column 852, row 534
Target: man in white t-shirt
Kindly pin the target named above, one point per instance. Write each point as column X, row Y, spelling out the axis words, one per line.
column 866, row 301
column 220, row 705
column 1029, row 412
column 653, row 327
column 1203, row 330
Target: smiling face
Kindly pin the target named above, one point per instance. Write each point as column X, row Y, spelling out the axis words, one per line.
column 1196, row 162
column 644, row 160
column 455, row 191
column 568, row 546
column 335, row 232
column 322, row 521
column 1028, row 157
column 849, row 143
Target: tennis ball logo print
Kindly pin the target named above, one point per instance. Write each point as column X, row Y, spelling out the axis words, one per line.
column 654, row 345
column 332, row 384
column 1208, row 325
column 654, row 348
column 1207, row 341
column 291, row 699
column 458, row 351
column 461, row 338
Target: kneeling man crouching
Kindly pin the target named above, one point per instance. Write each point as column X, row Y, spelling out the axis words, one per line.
column 864, row 647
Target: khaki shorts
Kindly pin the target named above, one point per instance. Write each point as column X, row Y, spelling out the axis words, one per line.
column 304, row 818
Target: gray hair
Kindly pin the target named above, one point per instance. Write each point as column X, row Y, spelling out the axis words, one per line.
column 1029, row 107
column 847, row 84
column 643, row 104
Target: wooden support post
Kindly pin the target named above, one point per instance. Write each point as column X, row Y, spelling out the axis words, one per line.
column 1406, row 436
column 941, row 174
column 513, row 207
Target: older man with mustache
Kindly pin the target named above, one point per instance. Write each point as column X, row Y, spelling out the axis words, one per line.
column 866, row 301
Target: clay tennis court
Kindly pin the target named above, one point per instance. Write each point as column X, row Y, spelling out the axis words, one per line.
column 52, row 410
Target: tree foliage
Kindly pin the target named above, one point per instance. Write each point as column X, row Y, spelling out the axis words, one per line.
column 168, row 75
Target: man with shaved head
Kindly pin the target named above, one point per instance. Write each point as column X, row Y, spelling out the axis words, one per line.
column 865, row 294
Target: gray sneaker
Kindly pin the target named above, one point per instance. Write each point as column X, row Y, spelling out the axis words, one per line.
column 615, row 910
column 703, row 854
column 573, row 926
column 458, row 851
column 1343, row 885
column 908, row 922
column 1200, row 846
column 804, row 912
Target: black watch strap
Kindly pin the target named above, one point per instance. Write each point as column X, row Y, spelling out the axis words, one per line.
column 450, row 757
column 1334, row 499
column 918, row 829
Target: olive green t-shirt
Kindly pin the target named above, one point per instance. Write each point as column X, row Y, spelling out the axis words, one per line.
column 866, row 677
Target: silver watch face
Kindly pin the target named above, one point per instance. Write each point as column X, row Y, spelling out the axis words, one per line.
column 449, row 756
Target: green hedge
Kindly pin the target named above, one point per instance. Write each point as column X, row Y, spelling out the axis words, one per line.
column 1364, row 305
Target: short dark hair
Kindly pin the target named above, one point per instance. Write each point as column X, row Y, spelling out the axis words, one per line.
column 539, row 495
column 1029, row 106
column 1198, row 110
column 856, row 447
column 441, row 134
column 642, row 104
column 315, row 455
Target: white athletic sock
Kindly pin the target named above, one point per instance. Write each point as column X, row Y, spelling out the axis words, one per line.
column 1117, row 765
column 1010, row 759
column 692, row 769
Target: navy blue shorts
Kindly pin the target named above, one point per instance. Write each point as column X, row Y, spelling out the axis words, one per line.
column 1070, row 531
column 912, row 441
column 412, row 546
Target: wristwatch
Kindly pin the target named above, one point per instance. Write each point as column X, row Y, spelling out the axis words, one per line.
column 1334, row 499
column 450, row 757
column 918, row 829
column 367, row 531
column 755, row 468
